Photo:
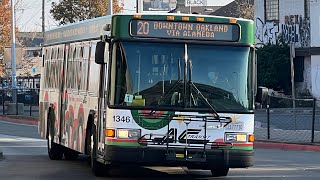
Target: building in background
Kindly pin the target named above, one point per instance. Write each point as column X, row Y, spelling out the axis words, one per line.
column 194, row 6
column 28, row 59
column 296, row 22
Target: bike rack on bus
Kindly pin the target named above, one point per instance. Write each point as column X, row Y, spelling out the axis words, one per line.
column 174, row 152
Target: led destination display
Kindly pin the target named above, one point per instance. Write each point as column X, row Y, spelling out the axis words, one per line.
column 184, row 30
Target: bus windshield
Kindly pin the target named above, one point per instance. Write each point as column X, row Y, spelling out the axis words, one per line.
column 181, row 76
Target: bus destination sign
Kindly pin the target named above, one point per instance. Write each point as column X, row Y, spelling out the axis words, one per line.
column 184, row 30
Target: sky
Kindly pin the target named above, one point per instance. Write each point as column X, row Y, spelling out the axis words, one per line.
column 29, row 13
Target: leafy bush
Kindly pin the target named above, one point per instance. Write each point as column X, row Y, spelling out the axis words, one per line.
column 274, row 67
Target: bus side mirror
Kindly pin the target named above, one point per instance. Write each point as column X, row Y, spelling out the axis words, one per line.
column 262, row 94
column 102, row 52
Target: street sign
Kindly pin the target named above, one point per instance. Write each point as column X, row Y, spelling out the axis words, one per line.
column 194, row 2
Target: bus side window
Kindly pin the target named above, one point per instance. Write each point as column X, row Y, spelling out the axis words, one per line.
column 70, row 67
column 94, row 72
column 84, row 66
column 45, row 66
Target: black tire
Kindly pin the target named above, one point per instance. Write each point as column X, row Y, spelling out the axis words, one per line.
column 70, row 154
column 96, row 167
column 55, row 151
column 88, row 144
column 219, row 171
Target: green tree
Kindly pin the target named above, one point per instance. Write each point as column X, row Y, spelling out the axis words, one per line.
column 274, row 67
column 70, row 11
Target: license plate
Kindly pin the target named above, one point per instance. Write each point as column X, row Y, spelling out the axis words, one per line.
column 238, row 126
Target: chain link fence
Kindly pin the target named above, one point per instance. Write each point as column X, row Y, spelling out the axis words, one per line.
column 288, row 120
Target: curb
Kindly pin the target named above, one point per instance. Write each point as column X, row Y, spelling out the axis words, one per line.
column 287, row 146
column 19, row 121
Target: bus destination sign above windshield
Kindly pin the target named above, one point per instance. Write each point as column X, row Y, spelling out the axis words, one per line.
column 184, row 30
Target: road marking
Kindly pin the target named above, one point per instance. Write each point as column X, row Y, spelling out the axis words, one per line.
column 18, row 124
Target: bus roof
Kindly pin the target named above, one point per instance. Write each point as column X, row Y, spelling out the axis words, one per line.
column 94, row 28
column 87, row 29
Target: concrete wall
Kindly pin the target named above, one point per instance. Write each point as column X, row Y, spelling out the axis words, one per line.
column 265, row 32
column 293, row 26
column 315, row 75
column 315, row 21
column 306, row 85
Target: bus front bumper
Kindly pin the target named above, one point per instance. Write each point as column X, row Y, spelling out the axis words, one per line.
column 160, row 156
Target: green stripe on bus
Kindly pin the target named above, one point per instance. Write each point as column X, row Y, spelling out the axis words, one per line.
column 123, row 143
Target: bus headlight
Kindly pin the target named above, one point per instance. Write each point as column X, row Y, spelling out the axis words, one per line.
column 128, row 133
column 234, row 137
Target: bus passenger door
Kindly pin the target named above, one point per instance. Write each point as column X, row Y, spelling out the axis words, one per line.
column 95, row 90
column 64, row 94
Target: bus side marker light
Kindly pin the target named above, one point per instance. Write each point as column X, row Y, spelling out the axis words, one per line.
column 170, row 18
column 233, row 20
column 110, row 132
column 200, row 19
column 137, row 16
column 185, row 18
column 251, row 137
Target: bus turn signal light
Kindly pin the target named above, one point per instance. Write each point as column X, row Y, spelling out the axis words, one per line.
column 110, row 132
column 251, row 137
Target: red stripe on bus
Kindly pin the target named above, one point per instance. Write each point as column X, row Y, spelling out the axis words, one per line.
column 121, row 140
column 241, row 144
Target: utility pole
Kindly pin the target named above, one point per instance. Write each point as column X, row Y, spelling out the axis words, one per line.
column 43, row 22
column 13, row 54
column 292, row 56
column 110, row 8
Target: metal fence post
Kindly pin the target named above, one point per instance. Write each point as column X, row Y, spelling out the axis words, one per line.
column 15, row 91
column 31, row 102
column 313, row 119
column 3, row 100
column 268, row 117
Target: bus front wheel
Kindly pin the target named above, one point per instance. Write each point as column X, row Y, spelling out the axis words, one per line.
column 219, row 171
column 97, row 167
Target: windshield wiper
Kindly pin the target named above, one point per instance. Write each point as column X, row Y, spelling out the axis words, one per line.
column 192, row 85
column 175, row 85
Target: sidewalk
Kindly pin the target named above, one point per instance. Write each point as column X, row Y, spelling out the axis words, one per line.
column 289, row 110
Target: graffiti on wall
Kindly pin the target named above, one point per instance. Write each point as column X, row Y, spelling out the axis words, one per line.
column 296, row 29
column 266, row 32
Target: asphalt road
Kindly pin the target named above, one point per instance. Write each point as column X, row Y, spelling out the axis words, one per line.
column 26, row 158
